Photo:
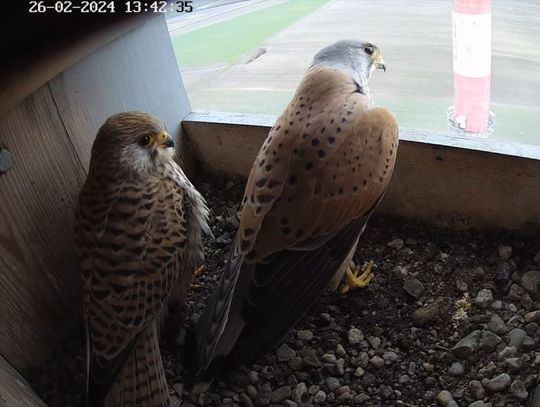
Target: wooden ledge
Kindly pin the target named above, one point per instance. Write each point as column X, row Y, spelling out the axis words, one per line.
column 438, row 178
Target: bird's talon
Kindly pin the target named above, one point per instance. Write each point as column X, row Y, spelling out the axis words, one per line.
column 199, row 271
column 358, row 277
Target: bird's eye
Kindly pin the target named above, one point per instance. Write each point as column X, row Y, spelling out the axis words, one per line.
column 144, row 141
column 368, row 49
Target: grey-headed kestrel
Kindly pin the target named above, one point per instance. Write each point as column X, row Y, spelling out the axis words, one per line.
column 139, row 226
column 318, row 177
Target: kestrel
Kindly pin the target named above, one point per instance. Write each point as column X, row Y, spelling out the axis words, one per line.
column 319, row 175
column 139, row 226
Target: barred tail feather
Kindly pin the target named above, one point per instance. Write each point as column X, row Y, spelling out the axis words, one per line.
column 142, row 380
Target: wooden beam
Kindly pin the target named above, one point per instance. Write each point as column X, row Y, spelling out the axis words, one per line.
column 14, row 389
column 135, row 72
column 438, row 178
column 25, row 72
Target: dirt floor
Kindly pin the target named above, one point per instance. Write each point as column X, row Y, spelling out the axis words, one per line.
column 451, row 319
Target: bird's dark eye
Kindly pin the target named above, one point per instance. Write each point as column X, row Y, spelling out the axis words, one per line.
column 368, row 49
column 144, row 141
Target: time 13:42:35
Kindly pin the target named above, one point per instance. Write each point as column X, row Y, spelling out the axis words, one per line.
column 136, row 6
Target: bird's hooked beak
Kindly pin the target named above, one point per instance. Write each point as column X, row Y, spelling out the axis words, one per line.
column 379, row 63
column 164, row 140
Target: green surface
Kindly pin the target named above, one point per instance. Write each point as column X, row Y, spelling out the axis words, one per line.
column 228, row 40
column 512, row 123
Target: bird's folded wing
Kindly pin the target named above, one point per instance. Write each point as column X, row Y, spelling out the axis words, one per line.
column 132, row 251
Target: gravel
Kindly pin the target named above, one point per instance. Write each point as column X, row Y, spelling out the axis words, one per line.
column 451, row 318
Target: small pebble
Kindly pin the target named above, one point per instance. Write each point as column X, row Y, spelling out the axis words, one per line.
column 515, row 337
column 476, row 389
column 253, row 377
column 497, row 325
column 311, row 359
column 515, row 293
column 505, row 252
column 285, row 353
column 533, row 316
column 329, row 358
column 479, row 403
column 530, row 281
column 403, row 379
column 374, row 341
column 320, row 397
column 246, row 400
column 280, row 394
column 305, row 335
column 298, row 393
column 518, row 390
column 488, row 340
column 427, row 314
column 359, row 372
column 332, row 383
column 390, row 357
column 396, row 244
column 456, row 369
column 513, row 364
column 377, row 361
column 414, row 287
column 467, row 346
column 507, row 352
column 483, row 298
column 445, row 399
column 498, row 383
column 343, row 393
column 251, row 390
column 355, row 336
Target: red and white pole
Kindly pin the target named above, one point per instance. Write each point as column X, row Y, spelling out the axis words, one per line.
column 471, row 21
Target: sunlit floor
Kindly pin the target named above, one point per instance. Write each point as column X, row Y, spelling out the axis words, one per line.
column 416, row 40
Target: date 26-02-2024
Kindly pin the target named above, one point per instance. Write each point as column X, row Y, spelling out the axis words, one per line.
column 109, row 6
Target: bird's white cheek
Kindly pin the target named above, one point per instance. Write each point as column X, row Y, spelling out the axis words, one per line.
column 167, row 153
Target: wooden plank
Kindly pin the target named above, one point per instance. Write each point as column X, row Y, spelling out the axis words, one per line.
column 14, row 389
column 25, row 72
column 39, row 281
column 135, row 72
column 453, row 183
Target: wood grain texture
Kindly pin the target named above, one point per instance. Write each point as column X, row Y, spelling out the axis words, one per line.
column 39, row 281
column 137, row 71
column 443, row 184
column 14, row 390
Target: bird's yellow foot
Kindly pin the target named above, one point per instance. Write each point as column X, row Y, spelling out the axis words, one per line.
column 197, row 273
column 354, row 280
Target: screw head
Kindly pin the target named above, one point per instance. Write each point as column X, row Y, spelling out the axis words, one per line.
column 5, row 160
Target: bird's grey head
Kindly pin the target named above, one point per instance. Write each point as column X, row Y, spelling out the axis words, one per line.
column 358, row 58
column 133, row 142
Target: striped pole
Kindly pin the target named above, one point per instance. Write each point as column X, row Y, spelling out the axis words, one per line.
column 471, row 21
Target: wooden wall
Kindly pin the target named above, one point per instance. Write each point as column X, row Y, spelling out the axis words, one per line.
column 49, row 135
column 437, row 179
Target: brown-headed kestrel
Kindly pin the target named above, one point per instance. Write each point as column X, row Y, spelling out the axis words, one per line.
column 319, row 175
column 139, row 226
